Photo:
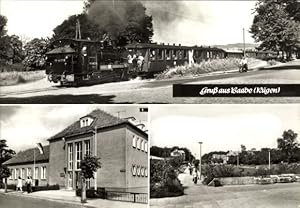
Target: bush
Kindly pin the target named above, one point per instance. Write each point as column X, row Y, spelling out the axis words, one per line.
column 163, row 179
column 92, row 193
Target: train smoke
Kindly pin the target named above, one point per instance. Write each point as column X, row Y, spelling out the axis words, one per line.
column 167, row 15
column 113, row 15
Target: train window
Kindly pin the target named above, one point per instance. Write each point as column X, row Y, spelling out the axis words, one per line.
column 152, row 54
column 168, row 54
column 185, row 54
column 175, row 54
column 84, row 51
column 160, row 54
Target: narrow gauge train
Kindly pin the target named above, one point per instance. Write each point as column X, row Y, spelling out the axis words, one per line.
column 158, row 57
column 76, row 62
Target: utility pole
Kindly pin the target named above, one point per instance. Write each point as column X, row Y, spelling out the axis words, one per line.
column 200, row 161
column 269, row 159
column 244, row 44
column 119, row 112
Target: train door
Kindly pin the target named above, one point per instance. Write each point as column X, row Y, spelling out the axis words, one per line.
column 84, row 58
column 92, row 59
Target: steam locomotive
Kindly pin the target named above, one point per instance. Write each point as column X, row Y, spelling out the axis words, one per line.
column 77, row 61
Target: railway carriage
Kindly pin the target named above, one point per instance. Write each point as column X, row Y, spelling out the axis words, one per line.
column 158, row 57
column 74, row 62
column 206, row 53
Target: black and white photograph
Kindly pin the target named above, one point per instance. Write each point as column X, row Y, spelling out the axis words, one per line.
column 74, row 156
column 117, row 51
column 225, row 156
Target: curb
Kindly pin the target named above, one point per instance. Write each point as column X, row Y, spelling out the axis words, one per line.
column 48, row 199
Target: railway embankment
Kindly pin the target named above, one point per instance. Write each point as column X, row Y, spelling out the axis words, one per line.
column 211, row 66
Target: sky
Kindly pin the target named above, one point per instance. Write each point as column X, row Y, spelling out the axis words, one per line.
column 194, row 22
column 222, row 127
column 24, row 126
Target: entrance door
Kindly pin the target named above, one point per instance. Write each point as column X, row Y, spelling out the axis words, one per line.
column 70, row 180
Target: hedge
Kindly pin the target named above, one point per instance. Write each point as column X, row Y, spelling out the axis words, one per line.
column 92, row 193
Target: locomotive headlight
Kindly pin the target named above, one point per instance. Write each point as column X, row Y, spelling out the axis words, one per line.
column 46, row 58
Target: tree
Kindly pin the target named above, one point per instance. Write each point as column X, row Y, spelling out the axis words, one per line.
column 35, row 53
column 89, row 166
column 5, row 154
column 3, row 22
column 288, row 144
column 274, row 26
column 88, row 28
column 4, row 173
column 122, row 22
column 10, row 46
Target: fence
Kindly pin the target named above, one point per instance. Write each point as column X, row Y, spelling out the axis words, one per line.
column 126, row 196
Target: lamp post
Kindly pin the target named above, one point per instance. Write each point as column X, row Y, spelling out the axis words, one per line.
column 269, row 159
column 200, row 163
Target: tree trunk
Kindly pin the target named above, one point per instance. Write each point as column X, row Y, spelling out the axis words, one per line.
column 83, row 190
column 5, row 185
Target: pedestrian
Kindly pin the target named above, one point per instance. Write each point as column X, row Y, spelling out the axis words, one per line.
column 195, row 176
column 29, row 184
column 244, row 64
column 130, row 61
column 140, row 61
column 19, row 184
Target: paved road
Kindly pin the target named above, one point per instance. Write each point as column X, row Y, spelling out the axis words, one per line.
column 10, row 201
column 246, row 196
column 147, row 91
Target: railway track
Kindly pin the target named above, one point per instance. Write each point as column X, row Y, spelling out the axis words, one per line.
column 28, row 91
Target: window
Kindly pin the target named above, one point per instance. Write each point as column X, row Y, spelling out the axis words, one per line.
column 142, row 145
column 78, row 154
column 133, row 170
column 23, row 173
column 36, row 173
column 185, row 54
column 175, row 54
column 142, row 171
column 70, row 156
column 11, row 173
column 87, row 146
column 86, row 121
column 43, row 172
column 138, row 144
column 17, row 173
column 28, row 171
column 152, row 54
column 168, row 54
column 138, row 170
column 180, row 54
column 133, row 141
column 146, row 147
column 160, row 54
column 146, row 172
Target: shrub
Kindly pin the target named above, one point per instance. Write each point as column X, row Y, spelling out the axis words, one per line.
column 92, row 193
column 163, row 179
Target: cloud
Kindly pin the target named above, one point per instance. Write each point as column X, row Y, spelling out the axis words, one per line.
column 24, row 126
column 222, row 127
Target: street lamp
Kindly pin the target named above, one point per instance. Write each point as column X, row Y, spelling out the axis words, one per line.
column 269, row 159
column 200, row 164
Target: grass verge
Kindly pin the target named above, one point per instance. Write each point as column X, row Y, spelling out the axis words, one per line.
column 205, row 67
column 19, row 77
